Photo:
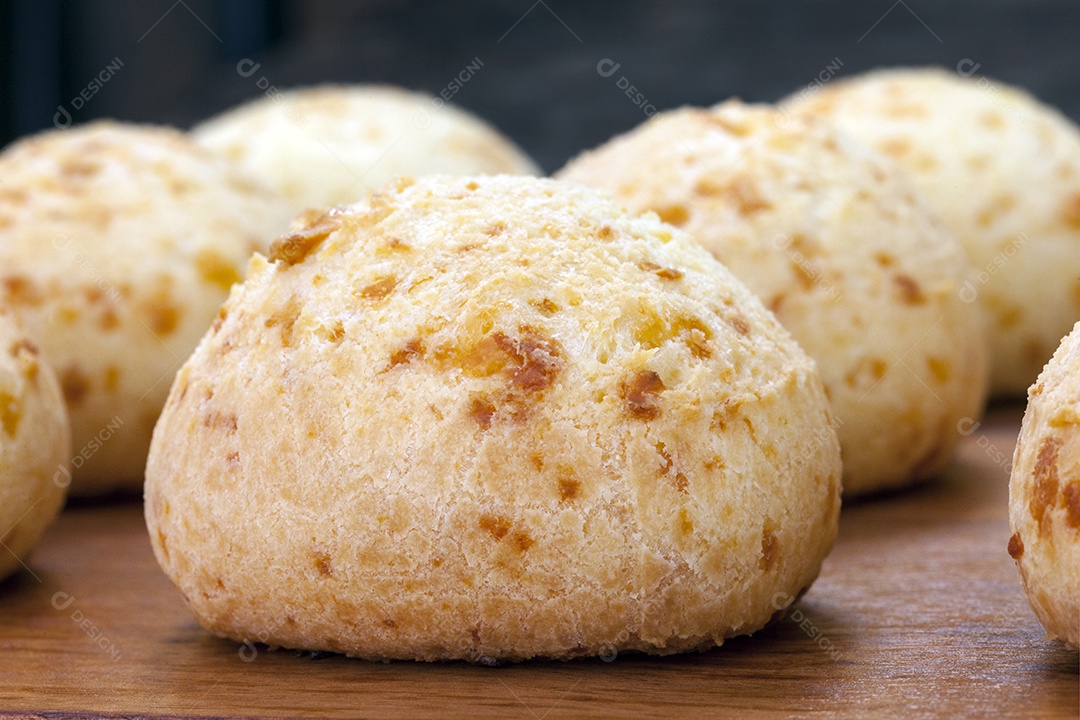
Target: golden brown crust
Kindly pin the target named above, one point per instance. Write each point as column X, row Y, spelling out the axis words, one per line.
column 124, row 241
column 836, row 242
column 1044, row 494
column 528, row 443
column 1003, row 172
column 35, row 445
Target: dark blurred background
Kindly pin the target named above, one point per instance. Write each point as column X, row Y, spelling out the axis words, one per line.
column 175, row 61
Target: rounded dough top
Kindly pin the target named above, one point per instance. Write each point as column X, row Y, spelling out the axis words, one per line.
column 330, row 145
column 35, row 445
column 838, row 243
column 1003, row 171
column 117, row 245
column 492, row 417
column 1044, row 494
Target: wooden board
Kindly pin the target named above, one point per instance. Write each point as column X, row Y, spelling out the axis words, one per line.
column 918, row 613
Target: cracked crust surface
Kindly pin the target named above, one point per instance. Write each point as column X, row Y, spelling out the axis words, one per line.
column 492, row 418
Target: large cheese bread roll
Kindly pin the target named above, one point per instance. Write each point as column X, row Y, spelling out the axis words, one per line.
column 35, row 445
column 1003, row 171
column 1044, row 494
column 492, row 418
column 117, row 245
column 839, row 245
column 330, row 145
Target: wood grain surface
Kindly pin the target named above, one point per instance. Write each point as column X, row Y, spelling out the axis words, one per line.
column 918, row 613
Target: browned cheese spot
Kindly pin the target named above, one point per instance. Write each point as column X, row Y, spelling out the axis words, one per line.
column 10, row 412
column 569, row 488
column 26, row 354
column 496, row 527
column 21, row 290
column 738, row 322
column 323, row 564
column 802, row 274
column 686, row 525
column 215, row 269
column 482, row 410
column 676, row 478
column 992, row 120
column 896, row 147
column 379, row 289
column 1016, row 546
column 222, row 315
column 336, row 332
column 653, row 331
column 663, row 273
column 999, row 206
column 605, row 233
column 1070, row 498
column 1070, row 211
column 284, row 318
column 910, row 292
column 673, row 214
column 112, row 378
column 392, row 246
column 940, row 368
column 76, row 169
column 536, row 359
column 75, row 384
column 546, row 306
column 522, row 541
column 413, row 350
column 745, row 194
column 108, row 320
column 770, row 550
column 641, row 394
column 293, row 249
column 220, row 421
column 163, row 316
column 1045, row 489
column 875, row 367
